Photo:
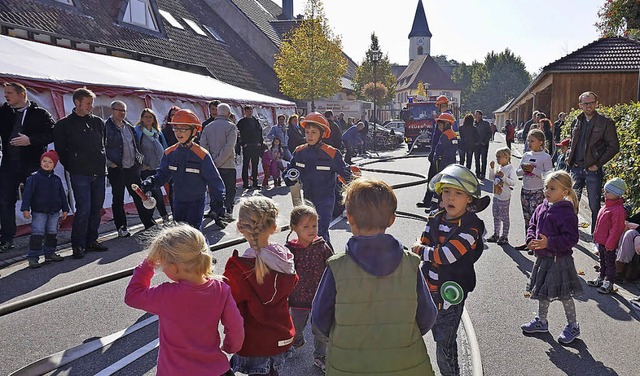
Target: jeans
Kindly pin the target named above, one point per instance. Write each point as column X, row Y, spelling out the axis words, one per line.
column 228, row 176
column 88, row 192
column 445, row 332
column 10, row 179
column 481, row 160
column 189, row 212
column 593, row 181
column 250, row 154
column 300, row 316
column 350, row 152
column 121, row 178
column 156, row 193
column 41, row 224
column 466, row 157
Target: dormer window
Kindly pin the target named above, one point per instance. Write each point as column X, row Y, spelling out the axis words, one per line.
column 140, row 13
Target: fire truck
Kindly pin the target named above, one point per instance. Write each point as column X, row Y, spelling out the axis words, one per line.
column 419, row 122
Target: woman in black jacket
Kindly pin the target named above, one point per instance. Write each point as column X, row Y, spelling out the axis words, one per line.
column 468, row 138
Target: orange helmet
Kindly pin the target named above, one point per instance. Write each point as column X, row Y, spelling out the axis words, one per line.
column 319, row 120
column 186, row 117
column 442, row 100
column 445, row 116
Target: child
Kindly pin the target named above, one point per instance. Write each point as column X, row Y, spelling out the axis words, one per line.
column 372, row 302
column 561, row 154
column 261, row 281
column 192, row 170
column 444, row 154
column 272, row 159
column 450, row 245
column 310, row 254
column 609, row 228
column 319, row 165
column 190, row 308
column 503, row 181
column 44, row 195
column 552, row 233
column 535, row 164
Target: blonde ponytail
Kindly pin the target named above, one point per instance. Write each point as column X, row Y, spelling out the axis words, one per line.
column 257, row 215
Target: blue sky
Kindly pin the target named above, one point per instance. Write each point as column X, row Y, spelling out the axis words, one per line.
column 539, row 31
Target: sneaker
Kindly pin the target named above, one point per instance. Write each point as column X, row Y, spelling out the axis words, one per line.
column 493, row 238
column 256, row 186
column 33, row 263
column 535, row 326
column 5, row 246
column 52, row 257
column 606, row 288
column 321, row 362
column 97, row 247
column 166, row 219
column 503, row 240
column 570, row 332
column 78, row 252
column 123, row 232
column 595, row 282
column 246, row 186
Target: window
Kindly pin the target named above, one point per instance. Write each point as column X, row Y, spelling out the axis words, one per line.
column 170, row 19
column 213, row 33
column 420, row 50
column 139, row 13
column 194, row 26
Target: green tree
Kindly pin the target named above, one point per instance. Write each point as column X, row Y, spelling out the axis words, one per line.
column 364, row 74
column 310, row 63
column 489, row 85
column 619, row 17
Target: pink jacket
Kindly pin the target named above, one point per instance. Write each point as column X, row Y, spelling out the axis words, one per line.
column 610, row 224
column 188, row 326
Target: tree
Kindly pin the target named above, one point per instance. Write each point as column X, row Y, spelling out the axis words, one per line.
column 380, row 92
column 364, row 74
column 489, row 85
column 619, row 17
column 421, row 90
column 310, row 63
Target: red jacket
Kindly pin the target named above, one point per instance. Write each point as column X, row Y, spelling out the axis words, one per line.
column 267, row 324
column 610, row 224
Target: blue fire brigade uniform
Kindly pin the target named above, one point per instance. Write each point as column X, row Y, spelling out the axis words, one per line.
column 446, row 150
column 192, row 170
column 319, row 167
column 433, row 170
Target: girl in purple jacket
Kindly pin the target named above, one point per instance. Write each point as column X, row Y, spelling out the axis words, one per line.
column 552, row 233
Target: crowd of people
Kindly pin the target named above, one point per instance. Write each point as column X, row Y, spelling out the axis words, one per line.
column 267, row 294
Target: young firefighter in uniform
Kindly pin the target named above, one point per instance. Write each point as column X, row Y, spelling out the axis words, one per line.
column 319, row 165
column 192, row 170
column 449, row 246
column 445, row 150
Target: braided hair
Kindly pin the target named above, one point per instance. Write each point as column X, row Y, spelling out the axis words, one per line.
column 256, row 216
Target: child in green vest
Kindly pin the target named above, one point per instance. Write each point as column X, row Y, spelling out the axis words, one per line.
column 450, row 244
column 372, row 302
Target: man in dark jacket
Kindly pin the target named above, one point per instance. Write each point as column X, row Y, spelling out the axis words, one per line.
column 123, row 168
column 80, row 141
column 482, row 144
column 25, row 130
column 252, row 146
column 335, row 139
column 594, row 142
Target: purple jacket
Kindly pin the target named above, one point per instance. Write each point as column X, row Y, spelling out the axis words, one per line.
column 559, row 223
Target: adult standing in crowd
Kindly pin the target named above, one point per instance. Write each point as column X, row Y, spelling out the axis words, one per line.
column 152, row 145
column 123, row 168
column 279, row 131
column 509, row 132
column 252, row 145
column 482, row 144
column 546, row 127
column 80, row 139
column 25, row 131
column 341, row 122
column 167, row 128
column 557, row 128
column 335, row 139
column 527, row 127
column 295, row 134
column 213, row 113
column 594, row 142
column 219, row 139
column 468, row 139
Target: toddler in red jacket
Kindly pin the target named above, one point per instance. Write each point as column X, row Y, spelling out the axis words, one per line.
column 609, row 228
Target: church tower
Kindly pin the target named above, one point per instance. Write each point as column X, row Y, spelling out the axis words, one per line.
column 420, row 36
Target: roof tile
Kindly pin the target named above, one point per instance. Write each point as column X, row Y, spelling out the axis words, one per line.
column 606, row 54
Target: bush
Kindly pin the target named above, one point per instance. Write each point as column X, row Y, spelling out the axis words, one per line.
column 625, row 164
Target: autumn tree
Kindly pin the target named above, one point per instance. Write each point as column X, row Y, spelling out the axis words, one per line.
column 384, row 76
column 421, row 90
column 619, row 17
column 310, row 63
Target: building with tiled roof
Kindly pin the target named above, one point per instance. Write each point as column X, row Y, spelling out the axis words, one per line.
column 608, row 66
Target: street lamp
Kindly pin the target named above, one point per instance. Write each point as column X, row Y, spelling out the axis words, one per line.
column 376, row 55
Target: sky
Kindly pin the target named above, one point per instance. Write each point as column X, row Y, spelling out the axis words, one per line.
column 539, row 31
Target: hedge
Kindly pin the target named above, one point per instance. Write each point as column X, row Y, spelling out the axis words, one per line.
column 625, row 164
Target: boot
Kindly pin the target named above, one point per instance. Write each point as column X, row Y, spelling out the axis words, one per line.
column 50, row 244
column 620, row 271
column 35, row 245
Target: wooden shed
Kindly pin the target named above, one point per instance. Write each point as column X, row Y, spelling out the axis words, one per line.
column 609, row 67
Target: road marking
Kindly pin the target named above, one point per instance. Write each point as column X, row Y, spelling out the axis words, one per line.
column 57, row 360
column 120, row 364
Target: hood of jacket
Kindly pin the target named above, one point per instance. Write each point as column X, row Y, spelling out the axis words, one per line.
column 378, row 255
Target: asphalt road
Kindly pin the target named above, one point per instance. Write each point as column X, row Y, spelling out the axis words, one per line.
column 608, row 344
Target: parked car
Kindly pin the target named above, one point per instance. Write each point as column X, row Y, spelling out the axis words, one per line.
column 396, row 125
column 386, row 139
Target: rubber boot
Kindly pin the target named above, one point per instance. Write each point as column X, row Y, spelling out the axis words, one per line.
column 50, row 244
column 35, row 250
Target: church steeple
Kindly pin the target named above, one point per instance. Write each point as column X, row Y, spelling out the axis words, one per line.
column 420, row 36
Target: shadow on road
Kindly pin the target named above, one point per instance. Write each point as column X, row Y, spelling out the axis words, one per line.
column 523, row 263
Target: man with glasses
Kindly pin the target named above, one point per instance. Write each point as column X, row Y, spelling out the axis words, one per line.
column 594, row 142
column 124, row 161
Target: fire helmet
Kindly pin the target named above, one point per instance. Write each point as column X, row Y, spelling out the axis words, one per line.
column 442, row 100
column 445, row 116
column 456, row 176
column 186, row 117
column 319, row 120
